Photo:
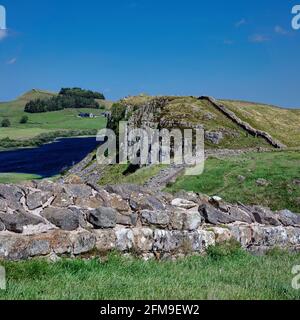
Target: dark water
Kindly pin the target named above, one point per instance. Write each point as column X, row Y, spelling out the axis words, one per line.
column 49, row 159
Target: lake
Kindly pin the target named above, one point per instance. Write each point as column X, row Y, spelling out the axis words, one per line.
column 49, row 159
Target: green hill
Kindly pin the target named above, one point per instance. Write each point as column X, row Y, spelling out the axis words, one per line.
column 44, row 123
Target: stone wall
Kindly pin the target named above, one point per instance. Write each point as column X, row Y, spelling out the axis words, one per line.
column 52, row 219
column 246, row 126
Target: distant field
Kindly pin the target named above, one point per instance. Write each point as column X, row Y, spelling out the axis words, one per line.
column 282, row 124
column 280, row 169
column 44, row 122
column 220, row 275
column 16, row 177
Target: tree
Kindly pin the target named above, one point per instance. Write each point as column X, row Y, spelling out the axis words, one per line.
column 24, row 120
column 5, row 123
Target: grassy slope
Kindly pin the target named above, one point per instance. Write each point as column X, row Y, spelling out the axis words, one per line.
column 192, row 110
column 235, row 275
column 221, row 178
column 283, row 124
column 17, row 177
column 43, row 122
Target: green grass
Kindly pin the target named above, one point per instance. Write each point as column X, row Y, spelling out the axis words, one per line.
column 17, row 177
column 48, row 122
column 221, row 178
column 117, row 174
column 235, row 275
column 282, row 124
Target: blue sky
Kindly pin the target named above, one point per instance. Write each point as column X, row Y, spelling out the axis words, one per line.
column 239, row 49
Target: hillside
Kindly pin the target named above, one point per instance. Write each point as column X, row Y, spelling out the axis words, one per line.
column 282, row 124
column 44, row 123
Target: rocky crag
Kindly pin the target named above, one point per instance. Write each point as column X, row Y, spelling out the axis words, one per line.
column 46, row 219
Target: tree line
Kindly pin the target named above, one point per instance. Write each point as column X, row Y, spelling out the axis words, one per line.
column 67, row 98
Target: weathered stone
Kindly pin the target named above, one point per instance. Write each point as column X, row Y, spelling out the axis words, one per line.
column 241, row 178
column 264, row 216
column 288, row 218
column 89, row 203
column 103, row 217
column 12, row 194
column 192, row 219
column 3, row 205
column 160, row 218
column 2, row 226
column 105, row 240
column 17, row 247
column 115, row 201
column 221, row 234
column 140, row 202
column 62, row 200
column 78, row 190
column 16, row 221
column 125, row 239
column 239, row 214
column 262, row 182
column 37, row 199
column 167, row 241
column 190, row 196
column 127, row 220
column 184, row 204
column 125, row 190
column 242, row 233
column 199, row 241
column 214, row 216
column 143, row 239
column 270, row 236
column 214, row 137
column 177, row 219
column 62, row 218
column 49, row 186
column 82, row 241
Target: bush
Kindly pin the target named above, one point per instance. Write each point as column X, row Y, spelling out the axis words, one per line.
column 5, row 123
column 24, row 120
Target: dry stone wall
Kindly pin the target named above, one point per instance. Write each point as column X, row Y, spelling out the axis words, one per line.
column 54, row 219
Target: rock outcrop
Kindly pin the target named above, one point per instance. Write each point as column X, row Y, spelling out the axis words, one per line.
column 53, row 219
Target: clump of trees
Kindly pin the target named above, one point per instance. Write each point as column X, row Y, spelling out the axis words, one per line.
column 5, row 123
column 67, row 98
column 78, row 92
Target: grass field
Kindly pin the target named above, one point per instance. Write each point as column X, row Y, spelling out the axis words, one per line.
column 280, row 169
column 17, row 177
column 44, row 122
column 219, row 275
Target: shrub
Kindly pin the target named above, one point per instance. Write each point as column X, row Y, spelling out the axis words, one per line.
column 5, row 123
column 229, row 248
column 24, row 120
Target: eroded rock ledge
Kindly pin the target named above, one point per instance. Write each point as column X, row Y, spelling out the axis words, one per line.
column 52, row 219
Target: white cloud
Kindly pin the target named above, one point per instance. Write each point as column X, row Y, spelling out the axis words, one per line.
column 240, row 23
column 258, row 38
column 12, row 61
column 280, row 30
column 3, row 34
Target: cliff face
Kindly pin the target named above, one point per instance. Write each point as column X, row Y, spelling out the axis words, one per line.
column 52, row 219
